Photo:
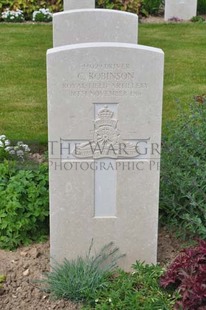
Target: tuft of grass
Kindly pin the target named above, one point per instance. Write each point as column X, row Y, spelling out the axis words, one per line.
column 80, row 279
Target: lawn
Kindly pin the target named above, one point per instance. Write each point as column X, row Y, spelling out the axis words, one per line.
column 23, row 109
column 23, row 72
column 185, row 61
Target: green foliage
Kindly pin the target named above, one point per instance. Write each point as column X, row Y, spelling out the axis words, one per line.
column 138, row 290
column 79, row 279
column 2, row 280
column 12, row 16
column 18, row 151
column 197, row 19
column 23, row 204
column 183, row 171
column 132, row 6
column 42, row 15
column 151, row 7
column 201, row 6
column 29, row 6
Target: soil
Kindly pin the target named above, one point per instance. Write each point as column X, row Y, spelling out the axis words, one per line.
column 152, row 20
column 27, row 264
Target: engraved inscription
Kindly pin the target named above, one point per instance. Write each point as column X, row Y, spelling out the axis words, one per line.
column 105, row 80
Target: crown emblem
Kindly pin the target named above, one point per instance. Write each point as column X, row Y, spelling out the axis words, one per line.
column 106, row 139
column 105, row 113
column 105, row 118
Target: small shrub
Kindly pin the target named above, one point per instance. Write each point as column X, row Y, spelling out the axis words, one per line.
column 12, row 16
column 132, row 6
column 79, row 279
column 29, row 6
column 187, row 273
column 19, row 151
column 183, row 171
column 137, row 290
column 197, row 19
column 151, row 7
column 23, row 205
column 201, row 6
column 42, row 15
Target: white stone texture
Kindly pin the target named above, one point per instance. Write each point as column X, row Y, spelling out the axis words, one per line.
column 82, row 79
column 94, row 25
column 182, row 9
column 78, row 4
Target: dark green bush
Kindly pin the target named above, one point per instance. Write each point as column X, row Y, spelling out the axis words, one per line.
column 151, row 7
column 183, row 171
column 197, row 19
column 24, row 204
column 201, row 6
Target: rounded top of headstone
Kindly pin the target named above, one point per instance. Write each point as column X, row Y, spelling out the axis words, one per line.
column 78, row 4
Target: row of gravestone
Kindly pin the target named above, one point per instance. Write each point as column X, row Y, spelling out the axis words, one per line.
column 182, row 9
column 104, row 124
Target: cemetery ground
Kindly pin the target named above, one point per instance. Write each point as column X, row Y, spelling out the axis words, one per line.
column 23, row 103
column 27, row 264
column 23, row 117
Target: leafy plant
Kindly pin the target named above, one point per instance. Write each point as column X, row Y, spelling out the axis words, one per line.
column 12, row 16
column 137, row 290
column 29, row 6
column 15, row 152
column 197, row 19
column 132, row 6
column 2, row 279
column 201, row 6
column 183, row 171
column 80, row 279
column 23, row 204
column 187, row 273
column 151, row 7
column 42, row 15
column 105, row 4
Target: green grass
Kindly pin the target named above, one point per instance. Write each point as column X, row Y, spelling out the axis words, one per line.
column 23, row 72
column 23, row 109
column 185, row 49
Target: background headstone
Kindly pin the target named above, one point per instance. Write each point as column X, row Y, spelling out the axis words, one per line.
column 78, row 4
column 182, row 9
column 95, row 25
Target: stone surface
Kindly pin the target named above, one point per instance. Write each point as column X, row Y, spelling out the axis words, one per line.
column 182, row 9
column 85, row 26
column 78, row 4
column 104, row 95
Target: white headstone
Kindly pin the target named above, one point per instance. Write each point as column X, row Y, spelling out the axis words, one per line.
column 78, row 4
column 104, row 114
column 94, row 25
column 182, row 9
